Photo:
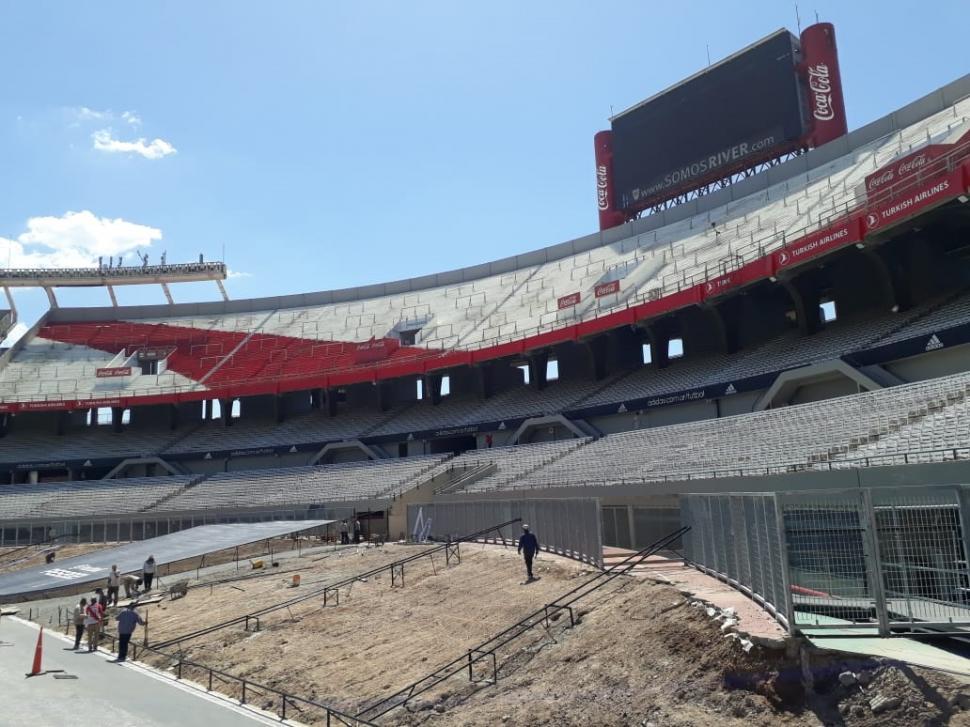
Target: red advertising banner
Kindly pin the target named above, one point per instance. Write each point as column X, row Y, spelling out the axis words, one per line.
column 818, row 243
column 824, row 83
column 568, row 301
column 918, row 199
column 901, row 168
column 375, row 349
column 111, row 372
column 609, row 215
column 606, row 289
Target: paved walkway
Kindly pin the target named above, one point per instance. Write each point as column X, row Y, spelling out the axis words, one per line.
column 120, row 695
column 752, row 619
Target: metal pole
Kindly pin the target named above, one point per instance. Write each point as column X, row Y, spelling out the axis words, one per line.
column 789, row 604
column 873, row 561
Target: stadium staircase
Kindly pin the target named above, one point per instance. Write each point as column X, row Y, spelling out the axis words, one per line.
column 485, row 321
column 414, row 481
column 468, row 476
column 238, row 347
column 165, row 498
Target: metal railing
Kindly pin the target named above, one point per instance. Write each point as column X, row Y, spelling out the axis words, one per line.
column 931, row 456
column 836, row 207
column 209, row 679
column 487, row 651
column 332, row 590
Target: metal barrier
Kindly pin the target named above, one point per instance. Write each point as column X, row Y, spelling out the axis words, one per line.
column 395, row 568
column 879, row 561
column 570, row 527
column 486, row 653
column 182, row 668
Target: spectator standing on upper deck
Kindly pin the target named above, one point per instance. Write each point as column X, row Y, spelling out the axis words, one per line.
column 528, row 546
column 128, row 620
column 148, row 572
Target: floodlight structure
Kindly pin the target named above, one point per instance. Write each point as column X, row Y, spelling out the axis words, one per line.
column 109, row 277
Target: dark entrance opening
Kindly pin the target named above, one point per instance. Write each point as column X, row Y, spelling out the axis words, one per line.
column 456, row 445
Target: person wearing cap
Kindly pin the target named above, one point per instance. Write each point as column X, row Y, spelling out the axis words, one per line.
column 528, row 546
column 127, row 620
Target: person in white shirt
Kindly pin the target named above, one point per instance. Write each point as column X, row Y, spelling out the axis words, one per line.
column 114, row 580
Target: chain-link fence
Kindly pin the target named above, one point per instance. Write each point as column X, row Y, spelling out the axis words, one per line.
column 569, row 527
column 876, row 560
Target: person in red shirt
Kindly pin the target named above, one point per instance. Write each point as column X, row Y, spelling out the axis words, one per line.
column 93, row 615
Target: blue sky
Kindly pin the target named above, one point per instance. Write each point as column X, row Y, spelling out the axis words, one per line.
column 328, row 144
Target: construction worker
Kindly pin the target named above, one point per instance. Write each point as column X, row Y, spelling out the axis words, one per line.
column 114, row 581
column 128, row 620
column 131, row 583
column 79, row 614
column 148, row 572
column 528, row 547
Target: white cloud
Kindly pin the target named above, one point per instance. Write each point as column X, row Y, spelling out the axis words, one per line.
column 154, row 149
column 83, row 113
column 76, row 239
column 15, row 333
column 236, row 274
column 131, row 117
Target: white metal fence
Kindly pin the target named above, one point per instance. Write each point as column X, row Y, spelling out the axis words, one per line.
column 875, row 561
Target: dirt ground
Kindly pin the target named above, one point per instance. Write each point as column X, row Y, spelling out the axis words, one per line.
column 646, row 657
column 379, row 638
column 641, row 654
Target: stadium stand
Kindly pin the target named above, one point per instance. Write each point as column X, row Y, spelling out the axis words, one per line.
column 6, row 322
column 84, row 498
column 510, row 463
column 309, row 485
column 789, row 439
column 786, row 351
column 287, row 346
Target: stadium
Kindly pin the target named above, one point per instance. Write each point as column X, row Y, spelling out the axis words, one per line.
column 735, row 416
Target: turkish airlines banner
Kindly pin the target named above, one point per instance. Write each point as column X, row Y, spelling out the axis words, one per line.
column 818, row 243
column 919, row 199
column 823, row 82
column 375, row 349
column 111, row 372
column 568, row 301
column 606, row 289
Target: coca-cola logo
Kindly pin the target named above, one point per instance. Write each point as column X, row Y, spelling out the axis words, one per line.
column 884, row 178
column 820, row 84
column 917, row 162
column 602, row 188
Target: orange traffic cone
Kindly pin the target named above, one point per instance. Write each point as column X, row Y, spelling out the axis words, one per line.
column 38, row 654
